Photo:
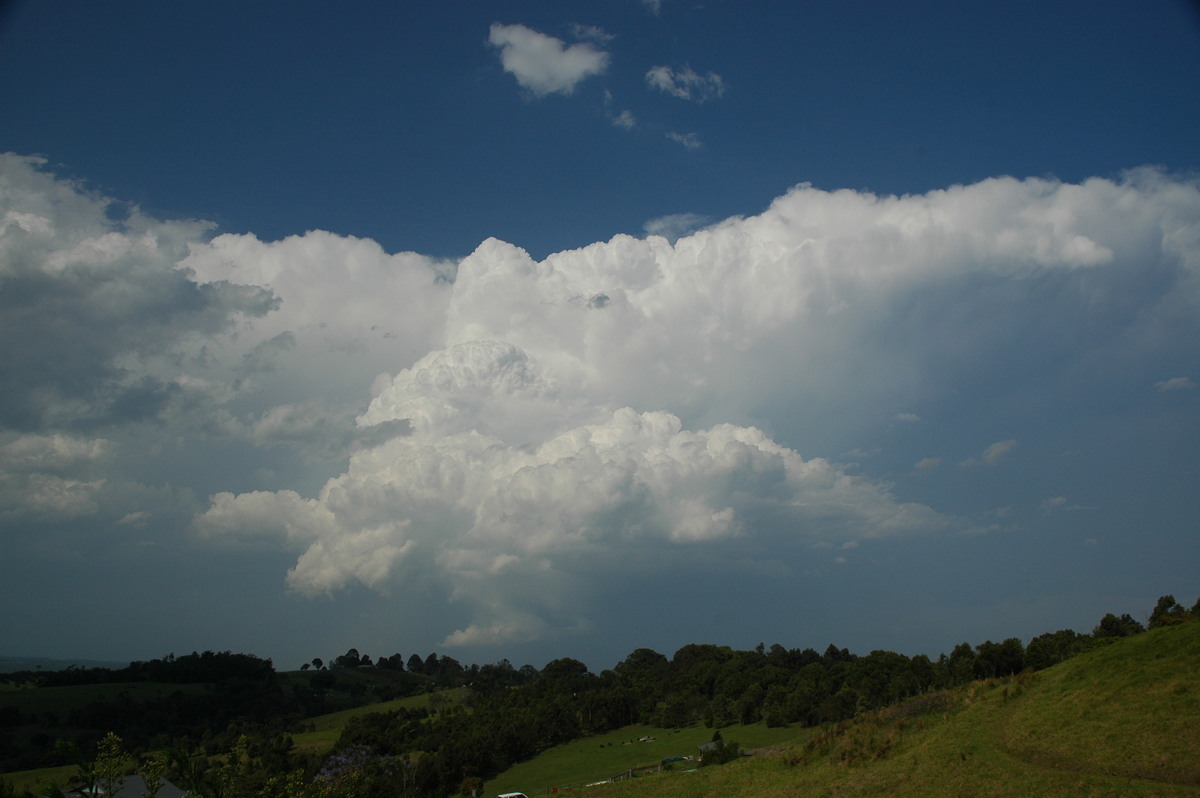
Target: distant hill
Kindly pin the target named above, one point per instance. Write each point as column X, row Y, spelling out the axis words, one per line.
column 11, row 664
column 1120, row 719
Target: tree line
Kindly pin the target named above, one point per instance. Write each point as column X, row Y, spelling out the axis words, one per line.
column 232, row 740
column 507, row 718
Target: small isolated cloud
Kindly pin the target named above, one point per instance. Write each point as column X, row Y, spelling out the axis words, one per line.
column 686, row 83
column 927, row 463
column 674, row 226
column 689, row 140
column 625, row 120
column 655, row 6
column 991, row 455
column 592, row 33
column 908, row 418
column 1175, row 384
column 1060, row 504
column 997, row 450
column 544, row 64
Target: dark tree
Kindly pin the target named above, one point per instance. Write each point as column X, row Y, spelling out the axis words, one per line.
column 1051, row 648
column 1112, row 626
column 350, row 659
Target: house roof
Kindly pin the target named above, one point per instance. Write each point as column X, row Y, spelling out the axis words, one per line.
column 134, row 787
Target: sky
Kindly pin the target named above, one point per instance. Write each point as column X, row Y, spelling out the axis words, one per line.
column 530, row 330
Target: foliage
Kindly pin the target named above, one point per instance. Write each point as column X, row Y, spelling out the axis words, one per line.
column 231, row 736
column 153, row 767
column 1119, row 719
column 107, row 771
column 718, row 752
column 1168, row 612
column 1112, row 626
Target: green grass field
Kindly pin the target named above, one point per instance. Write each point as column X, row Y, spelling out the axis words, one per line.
column 1121, row 720
column 35, row 780
column 636, row 748
column 327, row 728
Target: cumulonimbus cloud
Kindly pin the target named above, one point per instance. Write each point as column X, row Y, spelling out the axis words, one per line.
column 486, row 430
column 552, row 428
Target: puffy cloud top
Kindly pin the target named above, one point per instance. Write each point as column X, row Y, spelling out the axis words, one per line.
column 565, row 418
column 488, row 431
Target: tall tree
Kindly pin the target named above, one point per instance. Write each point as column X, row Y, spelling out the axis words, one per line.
column 109, row 765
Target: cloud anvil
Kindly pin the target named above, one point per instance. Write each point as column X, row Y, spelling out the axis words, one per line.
column 474, row 429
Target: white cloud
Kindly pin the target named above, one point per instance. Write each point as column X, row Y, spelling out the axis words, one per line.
column 675, row 225
column 102, row 305
column 509, row 434
column 548, row 436
column 1054, row 503
column 689, row 140
column 593, row 33
column 52, row 477
column 1175, row 384
column 686, row 83
column 57, row 452
column 544, row 64
column 994, row 453
column 655, row 6
column 927, row 463
column 991, row 455
column 907, row 418
column 1060, row 503
column 625, row 120
column 547, row 503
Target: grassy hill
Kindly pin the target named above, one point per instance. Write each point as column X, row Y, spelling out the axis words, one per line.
column 1122, row 719
column 325, row 729
column 634, row 749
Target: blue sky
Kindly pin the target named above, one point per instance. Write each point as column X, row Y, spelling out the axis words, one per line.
column 527, row 330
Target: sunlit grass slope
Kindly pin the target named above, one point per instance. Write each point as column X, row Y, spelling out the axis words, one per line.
column 325, row 729
column 633, row 748
column 1123, row 719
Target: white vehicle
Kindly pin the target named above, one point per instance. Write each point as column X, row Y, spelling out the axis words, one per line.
column 511, row 795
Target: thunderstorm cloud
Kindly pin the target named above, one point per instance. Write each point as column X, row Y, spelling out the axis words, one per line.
column 489, row 430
